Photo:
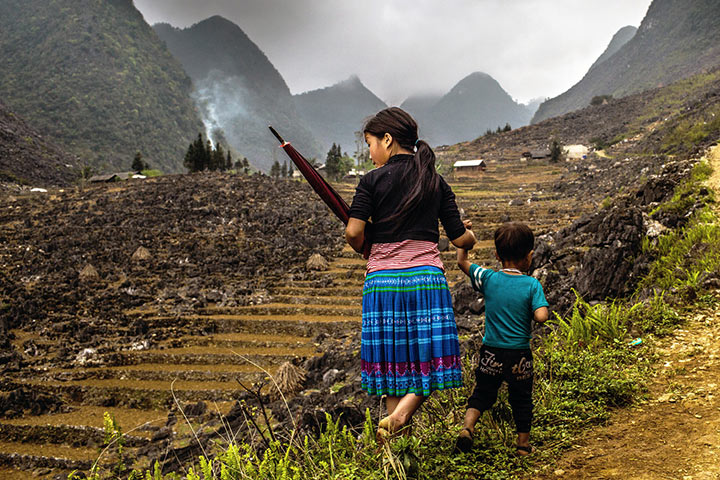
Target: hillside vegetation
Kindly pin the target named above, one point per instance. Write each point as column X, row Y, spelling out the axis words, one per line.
column 676, row 39
column 93, row 76
column 27, row 158
column 237, row 89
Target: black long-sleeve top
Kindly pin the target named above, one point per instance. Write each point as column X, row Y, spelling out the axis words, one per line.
column 380, row 193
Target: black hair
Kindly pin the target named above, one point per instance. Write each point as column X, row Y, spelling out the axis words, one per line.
column 513, row 241
column 420, row 173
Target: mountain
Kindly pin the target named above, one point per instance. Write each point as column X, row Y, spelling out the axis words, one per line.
column 475, row 104
column 335, row 113
column 26, row 157
column 676, row 39
column 622, row 36
column 93, row 76
column 237, row 89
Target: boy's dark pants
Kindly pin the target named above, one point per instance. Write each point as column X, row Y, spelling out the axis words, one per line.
column 516, row 368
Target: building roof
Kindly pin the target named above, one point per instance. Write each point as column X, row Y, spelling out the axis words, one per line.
column 103, row 178
column 468, row 163
column 540, row 153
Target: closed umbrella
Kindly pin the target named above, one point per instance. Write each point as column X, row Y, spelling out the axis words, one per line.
column 326, row 192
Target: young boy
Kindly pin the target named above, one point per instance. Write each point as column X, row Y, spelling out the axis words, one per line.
column 512, row 301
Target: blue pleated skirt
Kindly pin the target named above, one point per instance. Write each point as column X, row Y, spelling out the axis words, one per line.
column 409, row 337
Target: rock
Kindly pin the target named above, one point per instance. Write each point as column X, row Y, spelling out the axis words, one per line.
column 87, row 356
column 331, row 376
column 478, row 306
column 444, row 244
column 142, row 254
column 88, row 274
column 163, row 434
column 463, row 296
column 195, row 409
column 317, row 262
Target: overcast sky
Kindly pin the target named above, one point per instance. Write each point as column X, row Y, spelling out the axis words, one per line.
column 534, row 48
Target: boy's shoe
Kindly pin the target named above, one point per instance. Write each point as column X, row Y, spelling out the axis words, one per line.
column 464, row 443
column 524, row 451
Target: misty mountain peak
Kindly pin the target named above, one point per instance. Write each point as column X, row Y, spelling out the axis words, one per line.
column 352, row 82
column 477, row 83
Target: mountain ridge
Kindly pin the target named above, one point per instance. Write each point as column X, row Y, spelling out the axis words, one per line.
column 473, row 105
column 94, row 77
column 675, row 40
column 336, row 112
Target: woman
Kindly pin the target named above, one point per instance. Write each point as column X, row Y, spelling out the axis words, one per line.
column 409, row 338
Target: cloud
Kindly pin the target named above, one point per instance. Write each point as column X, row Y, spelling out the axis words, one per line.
column 402, row 47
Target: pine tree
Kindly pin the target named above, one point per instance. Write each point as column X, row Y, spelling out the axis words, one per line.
column 137, row 164
column 209, row 158
column 557, row 152
column 275, row 169
column 507, row 127
column 199, row 157
column 228, row 161
column 332, row 161
column 246, row 165
column 219, row 158
column 284, row 170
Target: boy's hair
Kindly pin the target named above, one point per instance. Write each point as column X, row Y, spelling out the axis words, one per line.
column 513, row 241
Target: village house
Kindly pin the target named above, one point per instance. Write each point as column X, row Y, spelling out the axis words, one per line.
column 469, row 167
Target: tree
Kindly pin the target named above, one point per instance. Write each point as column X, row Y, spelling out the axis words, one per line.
column 557, row 152
column 209, row 157
column 138, row 165
column 284, row 170
column 337, row 165
column 507, row 127
column 275, row 169
column 228, row 161
column 219, row 158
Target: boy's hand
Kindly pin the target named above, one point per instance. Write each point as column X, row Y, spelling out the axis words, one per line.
column 462, row 260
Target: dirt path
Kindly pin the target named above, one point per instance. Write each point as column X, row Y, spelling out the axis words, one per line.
column 675, row 434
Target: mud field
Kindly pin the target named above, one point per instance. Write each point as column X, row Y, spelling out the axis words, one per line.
column 155, row 300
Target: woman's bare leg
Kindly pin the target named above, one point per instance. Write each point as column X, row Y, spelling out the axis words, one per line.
column 391, row 404
column 403, row 410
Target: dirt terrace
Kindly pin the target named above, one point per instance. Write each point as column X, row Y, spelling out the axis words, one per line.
column 225, row 297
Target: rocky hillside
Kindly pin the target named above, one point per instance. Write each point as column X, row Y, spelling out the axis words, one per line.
column 477, row 103
column 676, row 39
column 27, row 158
column 335, row 113
column 622, row 36
column 92, row 76
column 679, row 119
column 237, row 89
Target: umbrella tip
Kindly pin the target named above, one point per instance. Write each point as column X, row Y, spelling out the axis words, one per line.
column 277, row 135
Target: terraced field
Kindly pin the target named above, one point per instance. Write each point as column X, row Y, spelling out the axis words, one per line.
column 202, row 355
